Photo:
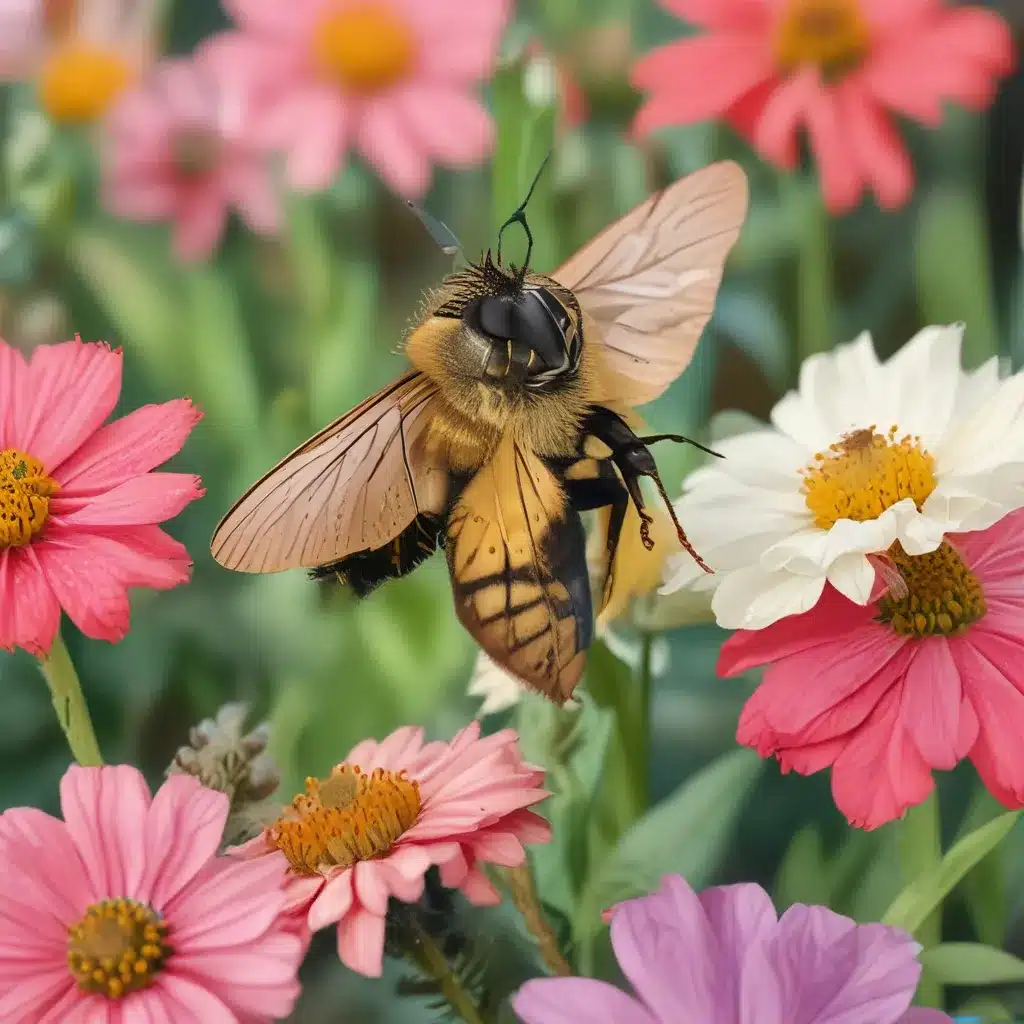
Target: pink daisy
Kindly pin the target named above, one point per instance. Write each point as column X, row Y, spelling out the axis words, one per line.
column 392, row 79
column 182, row 148
column 391, row 810
column 123, row 912
column 78, row 503
column 885, row 693
column 837, row 68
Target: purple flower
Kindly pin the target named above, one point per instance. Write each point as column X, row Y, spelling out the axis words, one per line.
column 725, row 957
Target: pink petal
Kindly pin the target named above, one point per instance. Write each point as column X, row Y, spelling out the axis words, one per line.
column 775, row 133
column 395, row 752
column 361, row 942
column 477, row 888
column 842, row 180
column 142, row 199
column 451, row 126
column 35, row 995
column 571, row 1000
column 334, row 901
column 127, row 447
column 314, row 125
column 719, row 14
column 251, row 190
column 271, row 18
column 141, row 501
column 889, row 16
column 29, row 610
column 72, row 388
column 388, row 147
column 370, row 887
column 14, row 395
column 460, row 42
column 184, row 1000
column 201, row 218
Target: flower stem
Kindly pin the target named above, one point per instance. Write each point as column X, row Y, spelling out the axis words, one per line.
column 644, row 718
column 524, row 895
column 69, row 703
column 431, row 961
column 920, row 850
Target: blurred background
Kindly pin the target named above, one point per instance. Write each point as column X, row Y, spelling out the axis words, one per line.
column 273, row 338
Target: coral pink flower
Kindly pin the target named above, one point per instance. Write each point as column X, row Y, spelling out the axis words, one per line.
column 391, row 810
column 837, row 68
column 391, row 78
column 78, row 503
column 182, row 148
column 123, row 911
column 885, row 693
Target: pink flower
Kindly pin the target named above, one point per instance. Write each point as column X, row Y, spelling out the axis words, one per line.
column 78, row 503
column 837, row 68
column 392, row 79
column 391, row 810
column 885, row 693
column 182, row 148
column 123, row 912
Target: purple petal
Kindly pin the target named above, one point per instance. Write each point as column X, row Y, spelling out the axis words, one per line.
column 570, row 1000
column 919, row 1015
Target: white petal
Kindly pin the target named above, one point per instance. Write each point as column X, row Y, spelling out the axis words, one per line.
column 764, row 459
column 991, row 435
column 977, row 387
column 962, row 503
column 752, row 598
column 853, row 576
column 498, row 688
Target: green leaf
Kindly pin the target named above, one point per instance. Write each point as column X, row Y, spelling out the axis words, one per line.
column 971, row 963
column 311, row 255
column 803, row 873
column 917, row 901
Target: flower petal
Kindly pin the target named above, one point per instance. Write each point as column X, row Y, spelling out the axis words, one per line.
column 361, row 942
column 387, row 145
column 141, row 501
column 29, row 610
column 570, row 1000
column 451, row 126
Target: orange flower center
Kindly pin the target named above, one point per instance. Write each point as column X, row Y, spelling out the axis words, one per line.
column 943, row 596
column 346, row 817
column 364, row 46
column 80, row 81
column 864, row 474
column 25, row 492
column 830, row 33
column 118, row 947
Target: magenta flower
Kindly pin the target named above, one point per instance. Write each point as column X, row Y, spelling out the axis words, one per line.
column 724, row 957
column 124, row 913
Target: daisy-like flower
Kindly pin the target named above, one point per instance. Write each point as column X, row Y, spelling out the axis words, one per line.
column 839, row 69
column 82, row 54
column 371, row 830
column 392, row 79
column 122, row 911
column 724, row 956
column 78, row 503
column 863, row 455
column 903, row 686
column 182, row 148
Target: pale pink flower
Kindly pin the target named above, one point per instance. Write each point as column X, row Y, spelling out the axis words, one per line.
column 392, row 79
column 838, row 69
column 193, row 937
column 886, row 693
column 78, row 503
column 182, row 148
column 389, row 812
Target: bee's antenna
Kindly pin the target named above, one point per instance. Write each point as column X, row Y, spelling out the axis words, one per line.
column 519, row 217
column 443, row 235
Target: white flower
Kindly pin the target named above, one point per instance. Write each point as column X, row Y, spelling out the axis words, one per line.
column 863, row 455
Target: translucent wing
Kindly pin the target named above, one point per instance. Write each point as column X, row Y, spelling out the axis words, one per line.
column 649, row 281
column 354, row 487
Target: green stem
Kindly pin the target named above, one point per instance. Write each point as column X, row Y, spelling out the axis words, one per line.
column 643, row 724
column 69, row 703
column 920, row 850
column 432, row 962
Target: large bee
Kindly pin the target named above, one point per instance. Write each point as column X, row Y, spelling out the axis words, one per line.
column 516, row 417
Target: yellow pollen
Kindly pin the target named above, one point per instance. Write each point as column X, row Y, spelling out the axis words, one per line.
column 117, row 948
column 346, row 817
column 363, row 46
column 864, row 474
column 944, row 597
column 25, row 492
column 830, row 33
column 80, row 81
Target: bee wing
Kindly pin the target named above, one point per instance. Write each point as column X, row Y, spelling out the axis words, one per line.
column 354, row 486
column 649, row 280
column 516, row 553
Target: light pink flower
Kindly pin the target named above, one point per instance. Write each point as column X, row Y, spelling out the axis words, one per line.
column 838, row 69
column 392, row 79
column 78, row 503
column 884, row 693
column 182, row 148
column 396, row 808
column 208, row 929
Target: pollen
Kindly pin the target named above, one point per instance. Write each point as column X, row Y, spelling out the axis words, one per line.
column 117, row 948
column 364, row 47
column 25, row 492
column 347, row 817
column 833, row 34
column 943, row 596
column 865, row 473
column 80, row 81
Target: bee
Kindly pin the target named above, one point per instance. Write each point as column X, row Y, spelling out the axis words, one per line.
column 516, row 417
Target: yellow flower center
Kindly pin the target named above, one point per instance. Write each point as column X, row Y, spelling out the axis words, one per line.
column 80, row 81
column 25, row 492
column 864, row 474
column 830, row 33
column 943, row 596
column 117, row 948
column 364, row 47
column 346, row 817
